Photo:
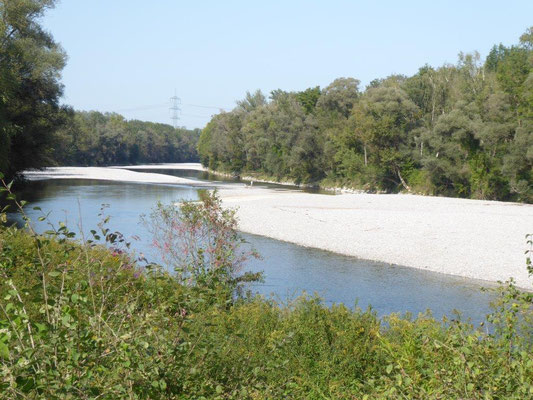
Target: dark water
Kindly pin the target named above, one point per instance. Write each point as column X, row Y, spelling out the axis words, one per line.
column 288, row 269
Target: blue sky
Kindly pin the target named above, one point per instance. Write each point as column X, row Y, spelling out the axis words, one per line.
column 129, row 55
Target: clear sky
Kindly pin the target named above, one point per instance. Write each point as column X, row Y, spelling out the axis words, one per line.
column 130, row 55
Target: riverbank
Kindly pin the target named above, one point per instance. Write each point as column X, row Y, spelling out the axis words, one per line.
column 469, row 238
column 270, row 179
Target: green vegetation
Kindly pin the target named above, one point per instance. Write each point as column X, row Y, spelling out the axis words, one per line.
column 458, row 130
column 81, row 320
column 30, row 67
column 93, row 138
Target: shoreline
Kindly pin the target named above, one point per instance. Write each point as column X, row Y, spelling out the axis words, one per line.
column 475, row 239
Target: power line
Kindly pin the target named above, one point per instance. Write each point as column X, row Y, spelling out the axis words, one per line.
column 200, row 106
column 174, row 107
column 196, row 116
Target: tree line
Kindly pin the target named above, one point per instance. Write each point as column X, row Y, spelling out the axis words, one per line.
column 93, row 138
column 36, row 130
column 457, row 130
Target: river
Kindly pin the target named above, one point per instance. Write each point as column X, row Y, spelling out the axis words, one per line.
column 288, row 269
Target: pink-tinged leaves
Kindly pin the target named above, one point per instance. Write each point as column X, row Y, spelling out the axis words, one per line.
column 200, row 241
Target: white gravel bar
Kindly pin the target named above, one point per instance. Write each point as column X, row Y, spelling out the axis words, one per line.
column 109, row 174
column 469, row 238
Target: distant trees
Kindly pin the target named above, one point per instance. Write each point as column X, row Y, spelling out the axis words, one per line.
column 30, row 67
column 93, row 138
column 460, row 130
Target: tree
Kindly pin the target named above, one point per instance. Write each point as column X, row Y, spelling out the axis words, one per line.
column 382, row 120
column 308, row 98
column 252, row 101
column 30, row 67
column 526, row 39
column 429, row 89
column 518, row 162
column 340, row 96
column 458, row 130
column 93, row 138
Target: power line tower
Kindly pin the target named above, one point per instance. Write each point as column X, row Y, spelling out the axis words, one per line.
column 175, row 103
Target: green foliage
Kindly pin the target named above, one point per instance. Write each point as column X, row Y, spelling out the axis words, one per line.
column 308, row 98
column 380, row 120
column 30, row 66
column 93, row 138
column 457, row 130
column 277, row 139
column 340, row 96
column 85, row 320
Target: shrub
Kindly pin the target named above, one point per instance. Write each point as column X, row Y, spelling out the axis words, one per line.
column 200, row 242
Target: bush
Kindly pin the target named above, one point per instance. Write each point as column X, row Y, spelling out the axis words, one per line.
column 200, row 242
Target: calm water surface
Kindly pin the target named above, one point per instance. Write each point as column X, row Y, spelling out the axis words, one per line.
column 288, row 269
column 209, row 177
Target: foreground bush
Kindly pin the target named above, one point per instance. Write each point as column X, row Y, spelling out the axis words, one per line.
column 80, row 321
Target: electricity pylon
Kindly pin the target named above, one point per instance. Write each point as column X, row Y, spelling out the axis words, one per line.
column 175, row 102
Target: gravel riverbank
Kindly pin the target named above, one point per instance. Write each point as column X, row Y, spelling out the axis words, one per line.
column 119, row 174
column 469, row 238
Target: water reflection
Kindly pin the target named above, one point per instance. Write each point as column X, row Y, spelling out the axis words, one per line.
column 343, row 279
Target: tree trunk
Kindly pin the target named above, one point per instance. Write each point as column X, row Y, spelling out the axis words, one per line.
column 433, row 101
column 404, row 184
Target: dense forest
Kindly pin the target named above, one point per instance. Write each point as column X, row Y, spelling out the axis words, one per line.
column 93, row 138
column 458, row 130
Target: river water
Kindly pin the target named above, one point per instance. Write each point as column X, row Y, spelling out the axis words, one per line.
column 288, row 269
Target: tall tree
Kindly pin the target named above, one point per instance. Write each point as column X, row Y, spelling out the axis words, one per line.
column 30, row 66
column 382, row 120
column 340, row 96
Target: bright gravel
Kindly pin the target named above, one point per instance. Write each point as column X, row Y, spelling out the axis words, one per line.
column 470, row 238
column 109, row 174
